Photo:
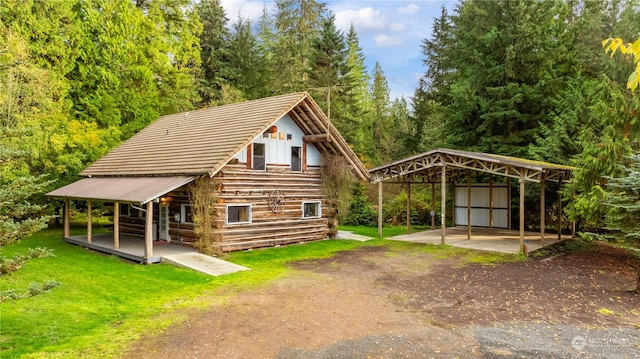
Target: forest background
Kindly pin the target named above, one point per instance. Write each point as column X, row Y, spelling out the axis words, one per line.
column 519, row 78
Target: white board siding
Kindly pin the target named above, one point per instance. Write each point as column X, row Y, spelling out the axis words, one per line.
column 480, row 205
column 278, row 151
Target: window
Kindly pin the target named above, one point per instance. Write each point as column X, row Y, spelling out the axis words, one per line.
column 311, row 210
column 296, row 159
column 186, row 213
column 258, row 156
column 124, row 209
column 239, row 213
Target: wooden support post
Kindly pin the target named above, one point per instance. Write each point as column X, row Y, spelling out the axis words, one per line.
column 490, row 203
column 89, row 210
column 116, row 225
column 443, row 202
column 409, row 207
column 453, row 202
column 522, row 212
column 65, row 219
column 560, row 208
column 468, row 204
column 433, row 206
column 542, row 210
column 509, row 203
column 148, row 231
column 380, row 209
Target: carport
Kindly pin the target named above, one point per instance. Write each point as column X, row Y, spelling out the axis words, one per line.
column 446, row 166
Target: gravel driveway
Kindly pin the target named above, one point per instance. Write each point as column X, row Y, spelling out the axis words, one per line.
column 380, row 302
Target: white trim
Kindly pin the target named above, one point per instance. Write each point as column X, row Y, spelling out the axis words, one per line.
column 249, row 215
column 319, row 209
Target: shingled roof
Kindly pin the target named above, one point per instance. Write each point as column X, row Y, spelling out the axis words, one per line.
column 203, row 141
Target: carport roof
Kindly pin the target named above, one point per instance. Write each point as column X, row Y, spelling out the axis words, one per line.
column 121, row 189
column 428, row 164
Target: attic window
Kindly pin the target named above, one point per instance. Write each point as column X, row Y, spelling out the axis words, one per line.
column 289, row 137
column 258, row 159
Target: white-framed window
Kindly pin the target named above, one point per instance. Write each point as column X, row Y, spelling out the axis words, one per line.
column 311, row 209
column 238, row 213
column 259, row 157
column 186, row 213
column 124, row 209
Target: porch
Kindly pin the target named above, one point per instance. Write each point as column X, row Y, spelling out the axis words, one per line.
column 485, row 239
column 131, row 247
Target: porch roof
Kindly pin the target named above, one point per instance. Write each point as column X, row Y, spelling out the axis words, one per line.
column 121, row 189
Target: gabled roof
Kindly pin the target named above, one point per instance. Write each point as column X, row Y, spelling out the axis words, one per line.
column 427, row 165
column 203, row 141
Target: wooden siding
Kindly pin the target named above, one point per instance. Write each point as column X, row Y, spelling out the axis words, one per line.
column 239, row 185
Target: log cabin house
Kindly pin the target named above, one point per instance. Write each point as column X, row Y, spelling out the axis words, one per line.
column 265, row 157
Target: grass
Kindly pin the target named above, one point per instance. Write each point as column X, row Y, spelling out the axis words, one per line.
column 387, row 231
column 104, row 303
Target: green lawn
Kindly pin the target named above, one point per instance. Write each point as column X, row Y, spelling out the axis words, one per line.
column 104, row 303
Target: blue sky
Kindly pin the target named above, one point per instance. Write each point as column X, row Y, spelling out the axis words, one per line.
column 390, row 32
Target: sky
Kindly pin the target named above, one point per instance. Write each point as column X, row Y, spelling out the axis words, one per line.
column 390, row 32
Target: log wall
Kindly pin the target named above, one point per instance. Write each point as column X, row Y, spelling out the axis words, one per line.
column 237, row 184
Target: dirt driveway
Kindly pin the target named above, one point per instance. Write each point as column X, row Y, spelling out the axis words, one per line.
column 376, row 302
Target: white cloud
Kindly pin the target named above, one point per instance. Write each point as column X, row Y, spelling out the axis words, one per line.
column 387, row 41
column 409, row 9
column 363, row 19
column 251, row 10
column 396, row 27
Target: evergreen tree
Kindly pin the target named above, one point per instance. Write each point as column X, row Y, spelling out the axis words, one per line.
column 215, row 51
column 606, row 138
column 328, row 64
column 623, row 204
column 297, row 22
column 248, row 67
column 358, row 111
column 507, row 62
column 383, row 138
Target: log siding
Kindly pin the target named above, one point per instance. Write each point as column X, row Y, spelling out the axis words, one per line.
column 239, row 185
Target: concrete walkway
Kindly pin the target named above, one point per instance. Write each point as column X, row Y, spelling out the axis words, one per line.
column 497, row 240
column 352, row 236
column 132, row 248
column 203, row 263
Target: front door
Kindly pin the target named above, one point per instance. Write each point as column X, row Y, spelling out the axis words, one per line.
column 163, row 227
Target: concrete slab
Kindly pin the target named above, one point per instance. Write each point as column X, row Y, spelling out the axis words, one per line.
column 352, row 236
column 497, row 240
column 203, row 263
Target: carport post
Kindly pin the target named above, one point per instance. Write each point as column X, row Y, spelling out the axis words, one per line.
column 148, row 232
column 433, row 206
column 409, row 206
column 65, row 214
column 380, row 209
column 468, row 204
column 522, row 211
column 116, row 225
column 89, row 210
column 542, row 210
column 443, row 202
column 560, row 208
